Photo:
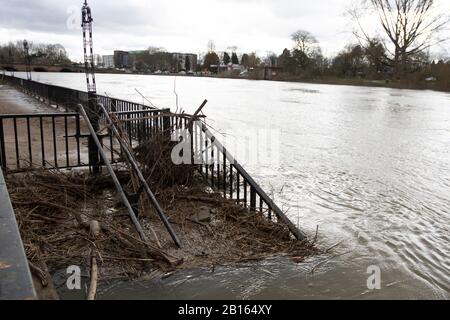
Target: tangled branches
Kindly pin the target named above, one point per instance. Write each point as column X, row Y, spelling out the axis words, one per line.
column 54, row 211
column 57, row 213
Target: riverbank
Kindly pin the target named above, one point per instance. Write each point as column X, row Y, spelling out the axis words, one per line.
column 393, row 84
column 441, row 86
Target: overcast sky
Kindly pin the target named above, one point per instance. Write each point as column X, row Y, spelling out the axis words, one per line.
column 180, row 25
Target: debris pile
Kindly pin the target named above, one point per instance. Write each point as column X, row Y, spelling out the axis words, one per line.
column 71, row 218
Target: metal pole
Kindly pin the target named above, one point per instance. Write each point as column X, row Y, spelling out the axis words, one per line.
column 135, row 166
column 113, row 175
column 94, row 159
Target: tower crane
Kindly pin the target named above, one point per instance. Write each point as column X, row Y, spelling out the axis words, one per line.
column 89, row 67
column 86, row 16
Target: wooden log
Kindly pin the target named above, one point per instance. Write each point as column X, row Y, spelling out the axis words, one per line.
column 92, row 293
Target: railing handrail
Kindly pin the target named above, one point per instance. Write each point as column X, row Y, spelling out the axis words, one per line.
column 15, row 278
column 141, row 111
column 37, row 115
column 82, row 92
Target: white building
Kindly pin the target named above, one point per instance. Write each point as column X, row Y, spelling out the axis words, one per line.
column 108, row 61
column 98, row 60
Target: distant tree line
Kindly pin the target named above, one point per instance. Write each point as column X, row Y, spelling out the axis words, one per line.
column 212, row 59
column 397, row 51
column 39, row 53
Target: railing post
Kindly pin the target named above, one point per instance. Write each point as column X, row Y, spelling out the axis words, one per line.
column 191, row 142
column 113, row 105
column 166, row 124
column 2, row 147
column 252, row 199
column 94, row 119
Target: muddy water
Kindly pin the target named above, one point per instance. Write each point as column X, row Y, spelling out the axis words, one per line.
column 369, row 166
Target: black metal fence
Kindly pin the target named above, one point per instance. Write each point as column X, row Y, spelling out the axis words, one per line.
column 70, row 98
column 50, row 140
column 60, row 140
column 226, row 175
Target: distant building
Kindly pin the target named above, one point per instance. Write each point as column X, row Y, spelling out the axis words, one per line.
column 144, row 61
column 184, row 61
column 121, row 59
column 98, row 60
column 151, row 62
column 108, row 61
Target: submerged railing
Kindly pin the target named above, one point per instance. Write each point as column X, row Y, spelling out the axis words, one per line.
column 235, row 182
column 67, row 144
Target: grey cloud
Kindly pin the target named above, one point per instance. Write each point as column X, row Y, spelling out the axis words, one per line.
column 52, row 16
column 259, row 25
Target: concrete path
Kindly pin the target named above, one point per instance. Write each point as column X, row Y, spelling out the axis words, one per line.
column 13, row 101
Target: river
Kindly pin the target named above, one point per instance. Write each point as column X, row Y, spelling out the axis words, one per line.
column 370, row 167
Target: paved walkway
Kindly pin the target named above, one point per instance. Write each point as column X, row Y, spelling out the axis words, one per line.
column 13, row 101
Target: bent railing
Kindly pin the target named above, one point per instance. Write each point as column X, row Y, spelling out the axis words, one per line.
column 226, row 175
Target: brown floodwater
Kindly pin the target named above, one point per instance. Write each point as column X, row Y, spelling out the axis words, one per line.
column 369, row 166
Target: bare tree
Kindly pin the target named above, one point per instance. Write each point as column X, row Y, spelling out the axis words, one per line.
column 305, row 42
column 410, row 27
column 154, row 49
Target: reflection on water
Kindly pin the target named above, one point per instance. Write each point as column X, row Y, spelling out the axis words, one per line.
column 369, row 166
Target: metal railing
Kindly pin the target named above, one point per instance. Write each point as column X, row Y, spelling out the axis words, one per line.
column 70, row 98
column 60, row 140
column 49, row 140
column 224, row 174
